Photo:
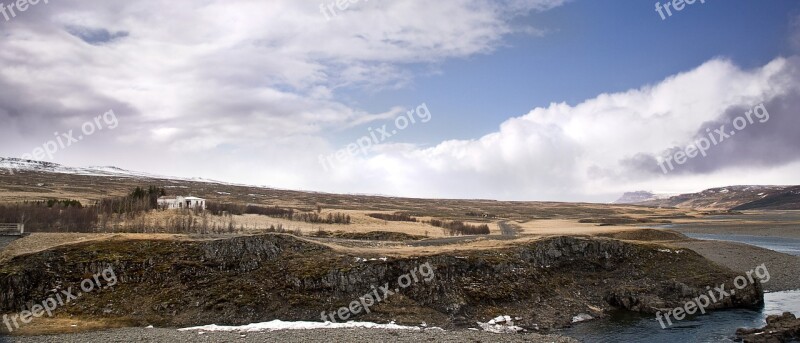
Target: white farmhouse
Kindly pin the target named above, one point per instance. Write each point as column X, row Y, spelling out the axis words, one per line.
column 178, row 202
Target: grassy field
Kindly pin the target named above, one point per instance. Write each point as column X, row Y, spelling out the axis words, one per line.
column 523, row 221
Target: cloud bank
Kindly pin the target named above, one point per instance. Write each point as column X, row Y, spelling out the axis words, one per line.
column 246, row 91
column 612, row 143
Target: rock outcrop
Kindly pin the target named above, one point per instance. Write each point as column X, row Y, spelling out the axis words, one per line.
column 779, row 329
column 260, row 278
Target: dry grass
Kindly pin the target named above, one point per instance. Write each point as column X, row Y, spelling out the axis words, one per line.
column 567, row 227
column 37, row 186
column 53, row 326
column 37, row 242
column 534, row 219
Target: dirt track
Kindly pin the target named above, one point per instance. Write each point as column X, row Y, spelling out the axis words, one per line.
column 6, row 240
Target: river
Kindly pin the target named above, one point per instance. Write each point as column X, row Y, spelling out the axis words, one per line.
column 789, row 246
column 718, row 326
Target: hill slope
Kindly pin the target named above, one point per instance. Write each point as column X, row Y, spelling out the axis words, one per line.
column 36, row 180
column 735, row 198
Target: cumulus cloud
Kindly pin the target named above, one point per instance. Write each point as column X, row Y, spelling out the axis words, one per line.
column 252, row 61
column 246, row 91
column 603, row 146
column 223, row 77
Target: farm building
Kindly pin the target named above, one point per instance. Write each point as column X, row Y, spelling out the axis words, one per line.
column 178, row 202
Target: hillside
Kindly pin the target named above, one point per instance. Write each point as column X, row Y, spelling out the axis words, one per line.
column 735, row 198
column 640, row 196
column 33, row 181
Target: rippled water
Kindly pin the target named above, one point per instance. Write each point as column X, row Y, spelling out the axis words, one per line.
column 718, row 326
column 789, row 246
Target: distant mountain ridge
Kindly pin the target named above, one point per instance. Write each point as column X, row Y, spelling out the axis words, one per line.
column 735, row 198
column 723, row 198
column 640, row 196
column 15, row 165
column 12, row 165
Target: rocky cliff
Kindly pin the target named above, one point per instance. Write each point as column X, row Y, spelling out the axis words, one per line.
column 259, row 278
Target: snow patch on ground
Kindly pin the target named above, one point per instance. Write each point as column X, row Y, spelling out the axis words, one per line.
column 581, row 318
column 501, row 324
column 281, row 325
column 360, row 259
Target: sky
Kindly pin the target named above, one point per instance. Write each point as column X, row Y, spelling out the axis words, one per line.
column 553, row 100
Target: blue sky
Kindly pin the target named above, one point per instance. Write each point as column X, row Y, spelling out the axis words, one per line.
column 528, row 99
column 592, row 47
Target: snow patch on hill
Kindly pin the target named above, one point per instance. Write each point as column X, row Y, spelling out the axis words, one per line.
column 15, row 165
column 641, row 196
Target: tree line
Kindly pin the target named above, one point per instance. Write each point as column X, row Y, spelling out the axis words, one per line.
column 220, row 209
column 127, row 214
column 50, row 216
column 138, row 201
column 330, row 218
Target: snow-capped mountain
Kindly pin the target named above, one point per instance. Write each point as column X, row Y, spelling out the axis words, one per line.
column 736, row 198
column 15, row 165
column 640, row 196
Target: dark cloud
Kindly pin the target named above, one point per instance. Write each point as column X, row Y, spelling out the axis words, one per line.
column 95, row 36
column 771, row 141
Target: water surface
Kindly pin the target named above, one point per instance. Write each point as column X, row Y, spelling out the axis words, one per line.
column 718, row 326
column 789, row 246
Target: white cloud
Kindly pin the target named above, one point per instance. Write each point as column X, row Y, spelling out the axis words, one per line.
column 565, row 152
column 239, row 70
column 245, row 91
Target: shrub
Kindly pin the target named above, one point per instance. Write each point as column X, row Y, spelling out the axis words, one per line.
column 396, row 217
column 331, row 218
column 52, row 217
column 460, row 228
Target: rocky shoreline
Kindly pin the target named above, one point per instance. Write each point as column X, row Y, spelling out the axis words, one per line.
column 252, row 279
column 561, row 277
column 323, row 335
column 779, row 329
column 741, row 258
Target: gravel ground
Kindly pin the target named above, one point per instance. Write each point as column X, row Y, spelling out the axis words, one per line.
column 6, row 240
column 325, row 335
column 784, row 269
